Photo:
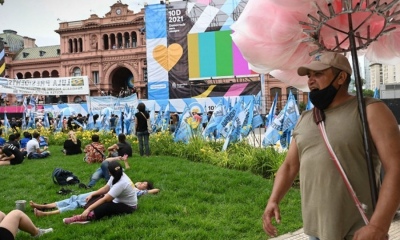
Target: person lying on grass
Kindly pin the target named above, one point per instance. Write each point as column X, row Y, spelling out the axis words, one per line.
column 102, row 171
column 16, row 219
column 79, row 201
column 119, row 198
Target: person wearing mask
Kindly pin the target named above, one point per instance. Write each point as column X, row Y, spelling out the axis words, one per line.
column 328, row 206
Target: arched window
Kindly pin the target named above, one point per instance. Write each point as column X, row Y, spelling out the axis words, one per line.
column 45, row 74
column 273, row 92
column 105, row 42
column 28, row 75
column 119, row 40
column 126, row 39
column 20, row 75
column 80, row 45
column 294, row 92
column 77, row 72
column 36, row 74
column 134, row 39
column 70, row 48
column 54, row 73
column 112, row 41
column 75, row 45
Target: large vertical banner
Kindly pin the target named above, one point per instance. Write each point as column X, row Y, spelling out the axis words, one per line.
column 179, row 25
column 191, row 40
column 158, row 63
column 2, row 59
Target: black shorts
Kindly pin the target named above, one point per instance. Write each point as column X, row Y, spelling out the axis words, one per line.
column 5, row 234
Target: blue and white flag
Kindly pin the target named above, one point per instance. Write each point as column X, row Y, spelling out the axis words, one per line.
column 60, row 122
column 25, row 104
column 219, row 112
column 291, row 114
column 257, row 118
column 285, row 138
column 90, row 122
column 7, row 126
column 274, row 130
column 118, row 124
column 271, row 114
column 184, row 131
column 46, row 122
column 165, row 118
column 230, row 116
column 31, row 122
column 228, row 139
column 33, row 102
column 247, row 123
column 152, row 118
column 23, row 126
column 236, row 134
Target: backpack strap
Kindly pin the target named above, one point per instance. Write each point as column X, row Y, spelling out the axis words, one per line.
column 102, row 154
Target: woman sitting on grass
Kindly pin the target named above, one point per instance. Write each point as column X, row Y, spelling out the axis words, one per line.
column 17, row 220
column 72, row 145
column 79, row 201
column 120, row 198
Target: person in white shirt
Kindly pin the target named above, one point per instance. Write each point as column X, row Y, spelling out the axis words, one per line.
column 33, row 148
column 119, row 198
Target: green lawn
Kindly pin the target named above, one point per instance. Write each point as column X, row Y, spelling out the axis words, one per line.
column 197, row 200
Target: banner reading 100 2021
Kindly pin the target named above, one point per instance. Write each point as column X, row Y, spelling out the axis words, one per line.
column 78, row 85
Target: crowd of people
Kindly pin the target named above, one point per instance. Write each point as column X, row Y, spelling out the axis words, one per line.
column 118, row 196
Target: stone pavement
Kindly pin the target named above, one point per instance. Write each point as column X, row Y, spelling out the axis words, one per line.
column 394, row 232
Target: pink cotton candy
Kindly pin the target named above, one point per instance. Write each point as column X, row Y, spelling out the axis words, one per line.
column 270, row 37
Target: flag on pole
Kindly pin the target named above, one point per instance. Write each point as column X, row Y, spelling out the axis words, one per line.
column 60, row 122
column 31, row 122
column 152, row 118
column 271, row 114
column 247, row 123
column 46, row 123
column 228, row 139
column 23, row 125
column 184, row 131
column 7, row 126
column 165, row 118
column 274, row 130
column 90, row 123
column 219, row 112
column 230, row 116
column 32, row 102
column 291, row 113
column 25, row 104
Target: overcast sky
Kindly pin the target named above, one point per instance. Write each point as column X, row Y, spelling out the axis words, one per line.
column 38, row 18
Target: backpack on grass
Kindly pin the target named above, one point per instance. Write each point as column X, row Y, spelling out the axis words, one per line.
column 63, row 177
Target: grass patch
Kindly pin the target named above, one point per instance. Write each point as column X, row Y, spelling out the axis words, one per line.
column 197, row 200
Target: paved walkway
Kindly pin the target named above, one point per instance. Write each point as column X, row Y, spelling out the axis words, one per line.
column 394, row 232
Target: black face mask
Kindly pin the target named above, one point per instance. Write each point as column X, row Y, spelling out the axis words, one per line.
column 322, row 98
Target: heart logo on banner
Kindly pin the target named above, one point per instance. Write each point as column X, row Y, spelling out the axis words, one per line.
column 167, row 57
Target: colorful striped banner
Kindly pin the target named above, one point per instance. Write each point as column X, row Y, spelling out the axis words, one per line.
column 213, row 54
